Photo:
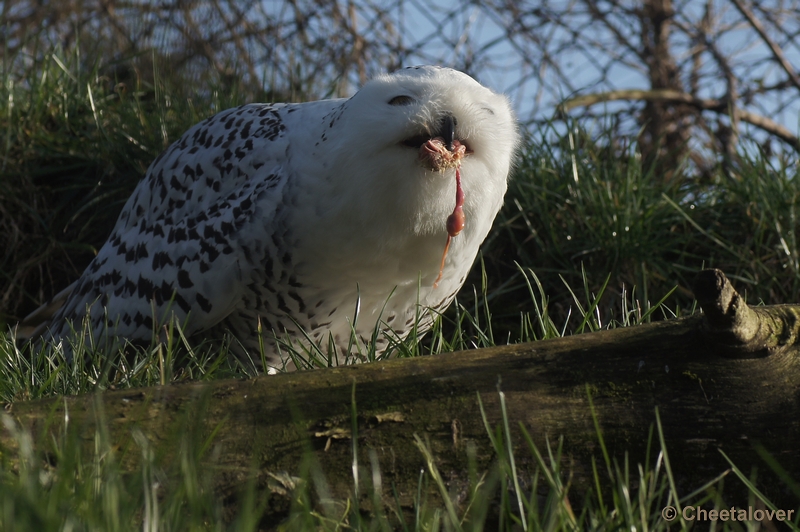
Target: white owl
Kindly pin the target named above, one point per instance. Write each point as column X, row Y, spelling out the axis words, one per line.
column 287, row 215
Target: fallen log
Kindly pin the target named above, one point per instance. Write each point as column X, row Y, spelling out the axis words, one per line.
column 725, row 380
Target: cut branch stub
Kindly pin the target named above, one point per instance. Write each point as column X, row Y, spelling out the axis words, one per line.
column 737, row 329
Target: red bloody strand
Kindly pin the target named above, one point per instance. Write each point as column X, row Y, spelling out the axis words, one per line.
column 455, row 223
column 441, row 266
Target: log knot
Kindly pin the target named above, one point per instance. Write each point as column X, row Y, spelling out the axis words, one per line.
column 737, row 330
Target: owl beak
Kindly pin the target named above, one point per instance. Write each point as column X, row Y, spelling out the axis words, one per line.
column 448, row 131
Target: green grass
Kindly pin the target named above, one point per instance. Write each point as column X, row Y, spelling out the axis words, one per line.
column 595, row 210
column 92, row 490
column 88, row 488
column 34, row 371
column 589, row 239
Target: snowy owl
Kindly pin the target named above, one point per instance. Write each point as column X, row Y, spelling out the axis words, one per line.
column 285, row 218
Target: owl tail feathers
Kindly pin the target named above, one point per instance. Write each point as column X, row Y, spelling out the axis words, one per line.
column 35, row 324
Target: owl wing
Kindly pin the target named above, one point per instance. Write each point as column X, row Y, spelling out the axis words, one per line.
column 186, row 240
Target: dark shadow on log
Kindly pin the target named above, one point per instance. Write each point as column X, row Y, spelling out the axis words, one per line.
column 725, row 380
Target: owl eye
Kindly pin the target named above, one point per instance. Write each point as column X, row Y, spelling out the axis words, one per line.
column 401, row 100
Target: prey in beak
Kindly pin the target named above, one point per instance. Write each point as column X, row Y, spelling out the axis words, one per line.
column 442, row 151
column 438, row 153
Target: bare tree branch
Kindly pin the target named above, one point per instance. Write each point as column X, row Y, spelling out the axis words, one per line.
column 668, row 95
column 539, row 52
column 780, row 57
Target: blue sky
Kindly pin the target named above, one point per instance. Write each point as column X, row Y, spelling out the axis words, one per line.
column 462, row 33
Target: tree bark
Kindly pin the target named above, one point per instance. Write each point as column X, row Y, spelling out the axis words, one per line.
column 665, row 124
column 724, row 380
